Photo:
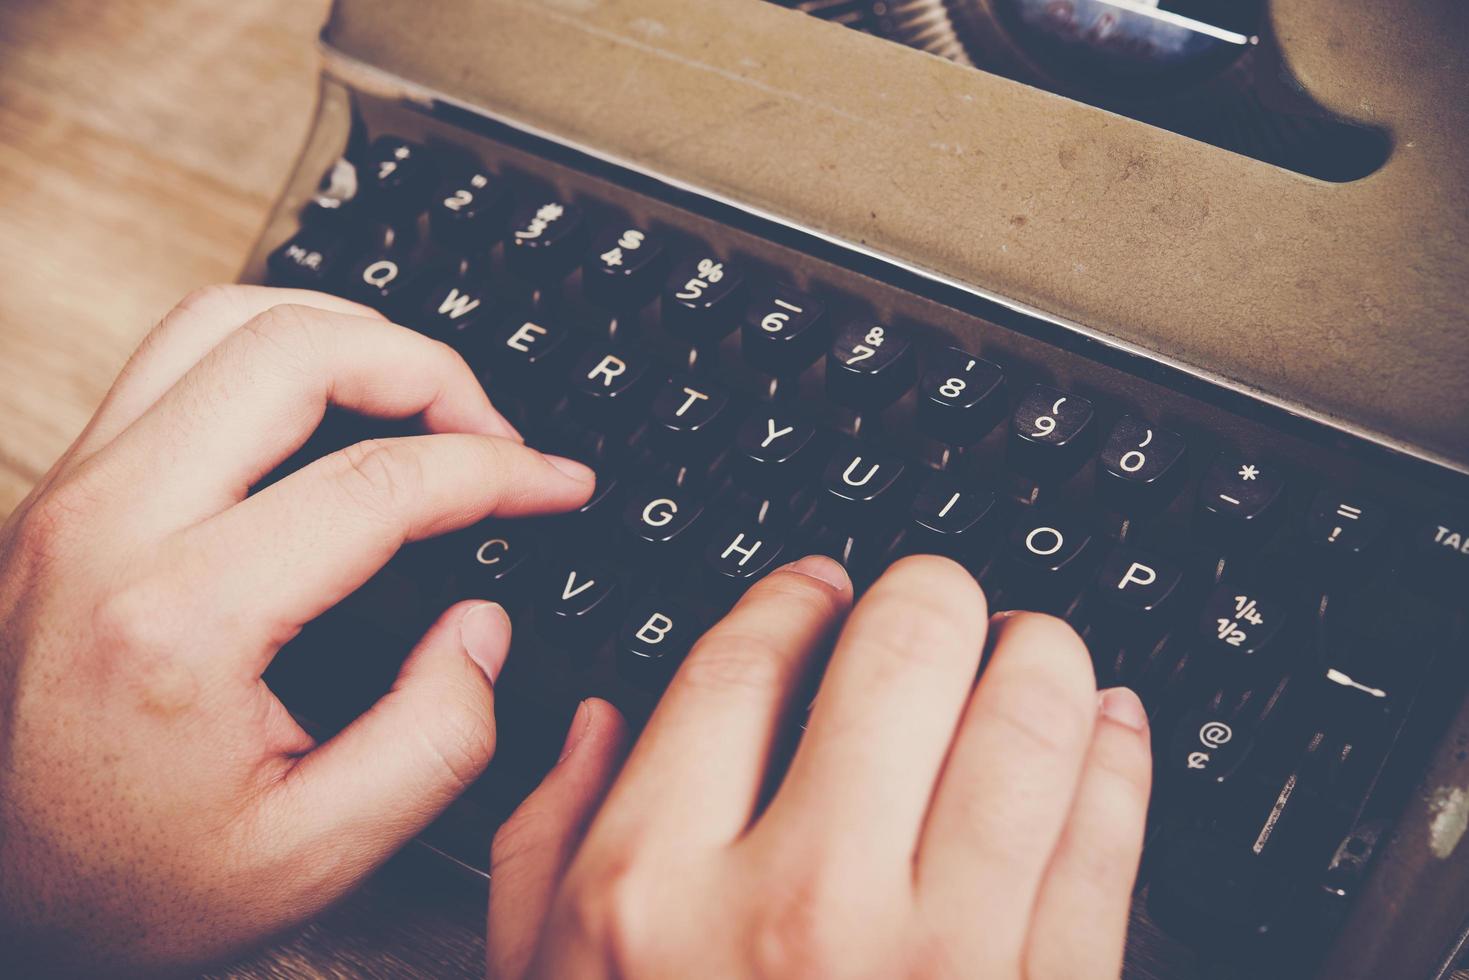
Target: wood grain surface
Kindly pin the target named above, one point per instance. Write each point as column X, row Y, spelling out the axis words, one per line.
column 141, row 145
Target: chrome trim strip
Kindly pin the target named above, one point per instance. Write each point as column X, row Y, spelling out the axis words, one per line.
column 360, row 75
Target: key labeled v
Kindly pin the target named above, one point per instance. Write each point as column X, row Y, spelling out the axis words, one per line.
column 573, row 590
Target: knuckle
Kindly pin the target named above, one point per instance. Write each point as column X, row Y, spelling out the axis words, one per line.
column 43, row 528
column 1047, row 644
column 799, row 933
column 129, row 617
column 733, row 660
column 610, row 904
column 213, row 299
column 911, row 628
column 378, row 476
column 462, row 740
column 288, row 334
column 516, row 838
column 1044, row 715
column 137, row 646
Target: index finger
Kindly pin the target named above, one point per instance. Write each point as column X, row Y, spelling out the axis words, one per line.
column 292, row 551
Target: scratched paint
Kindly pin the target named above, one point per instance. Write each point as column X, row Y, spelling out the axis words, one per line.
column 1450, row 809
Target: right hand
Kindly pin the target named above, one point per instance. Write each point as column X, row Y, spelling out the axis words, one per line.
column 926, row 827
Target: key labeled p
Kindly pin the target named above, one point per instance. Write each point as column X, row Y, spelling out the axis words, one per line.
column 1138, row 574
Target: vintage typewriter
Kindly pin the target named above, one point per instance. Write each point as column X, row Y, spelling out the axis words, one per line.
column 1153, row 316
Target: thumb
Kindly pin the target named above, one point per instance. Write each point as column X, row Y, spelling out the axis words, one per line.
column 534, row 847
column 366, row 792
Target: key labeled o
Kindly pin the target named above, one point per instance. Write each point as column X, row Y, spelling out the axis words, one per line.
column 1030, row 541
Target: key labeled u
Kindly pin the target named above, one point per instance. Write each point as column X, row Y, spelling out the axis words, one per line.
column 856, row 462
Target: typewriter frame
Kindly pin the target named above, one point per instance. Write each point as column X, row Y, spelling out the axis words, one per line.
column 1409, row 920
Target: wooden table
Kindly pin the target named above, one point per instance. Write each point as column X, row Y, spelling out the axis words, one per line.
column 141, row 145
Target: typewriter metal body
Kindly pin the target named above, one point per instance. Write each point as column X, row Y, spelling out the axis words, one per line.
column 1323, row 323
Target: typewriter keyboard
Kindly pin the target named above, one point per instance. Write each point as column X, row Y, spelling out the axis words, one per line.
column 1288, row 603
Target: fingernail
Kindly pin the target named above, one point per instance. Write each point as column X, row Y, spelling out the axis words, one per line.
column 1121, row 705
column 580, row 723
column 485, row 633
column 821, row 568
column 570, row 467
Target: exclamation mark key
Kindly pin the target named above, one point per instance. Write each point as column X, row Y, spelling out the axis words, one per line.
column 1344, row 525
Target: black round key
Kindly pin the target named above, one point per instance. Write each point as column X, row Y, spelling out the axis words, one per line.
column 656, row 636
column 659, row 522
column 578, row 604
column 950, row 518
column 395, row 175
column 869, row 366
column 610, row 387
column 528, row 350
column 775, row 450
column 1141, row 465
column 466, row 210
column 741, row 552
column 690, row 419
column 1048, row 546
column 493, row 561
column 623, row 268
column 380, row 280
column 702, row 300
column 783, row 330
column 1345, row 526
column 1138, row 590
column 1239, row 622
column 1051, row 433
column 960, row 398
column 310, row 259
column 861, row 486
column 1204, row 750
column 458, row 311
column 544, row 240
column 1238, row 497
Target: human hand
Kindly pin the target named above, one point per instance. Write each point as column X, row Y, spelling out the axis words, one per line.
column 158, row 805
column 926, row 827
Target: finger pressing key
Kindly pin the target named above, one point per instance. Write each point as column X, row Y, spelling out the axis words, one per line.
column 258, row 395
column 698, row 769
column 293, row 550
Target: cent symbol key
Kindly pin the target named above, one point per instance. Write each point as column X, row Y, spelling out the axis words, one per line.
column 1050, row 433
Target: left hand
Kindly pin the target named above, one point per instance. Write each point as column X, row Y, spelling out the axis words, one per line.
column 158, row 805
